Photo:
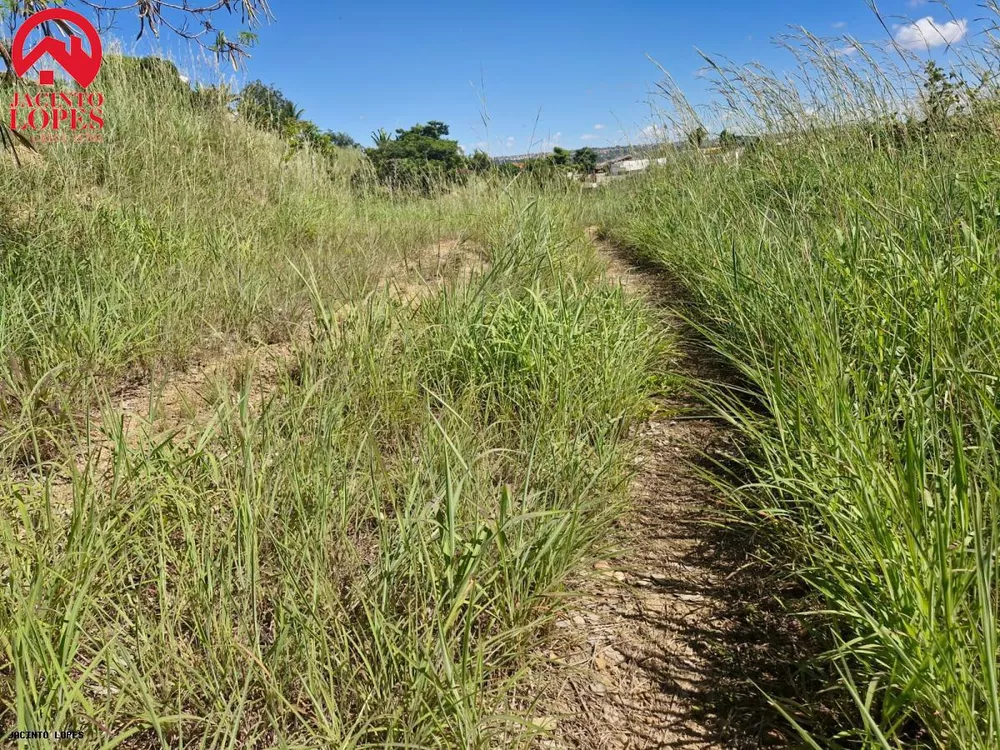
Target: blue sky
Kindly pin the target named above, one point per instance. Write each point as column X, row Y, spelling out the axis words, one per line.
column 568, row 74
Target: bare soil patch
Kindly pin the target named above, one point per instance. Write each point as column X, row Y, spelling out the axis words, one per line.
column 425, row 270
column 182, row 401
column 186, row 397
column 670, row 639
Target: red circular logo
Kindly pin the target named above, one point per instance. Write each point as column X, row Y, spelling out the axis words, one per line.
column 80, row 66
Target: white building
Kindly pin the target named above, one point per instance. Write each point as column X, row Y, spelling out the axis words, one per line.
column 628, row 166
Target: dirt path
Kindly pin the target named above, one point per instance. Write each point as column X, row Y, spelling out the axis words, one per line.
column 646, row 640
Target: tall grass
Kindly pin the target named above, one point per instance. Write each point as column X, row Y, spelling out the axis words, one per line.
column 363, row 555
column 847, row 267
column 174, row 236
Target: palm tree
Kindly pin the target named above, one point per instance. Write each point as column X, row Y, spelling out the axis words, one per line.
column 381, row 137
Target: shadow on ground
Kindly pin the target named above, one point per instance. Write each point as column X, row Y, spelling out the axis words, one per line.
column 686, row 638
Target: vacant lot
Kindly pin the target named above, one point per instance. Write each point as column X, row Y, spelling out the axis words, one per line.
column 285, row 465
column 288, row 460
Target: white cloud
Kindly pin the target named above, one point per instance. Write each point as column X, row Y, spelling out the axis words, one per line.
column 845, row 51
column 659, row 133
column 553, row 140
column 840, row 24
column 588, row 137
column 925, row 33
column 598, row 126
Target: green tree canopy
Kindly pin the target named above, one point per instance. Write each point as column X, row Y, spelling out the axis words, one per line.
column 433, row 129
column 266, row 107
column 341, row 140
column 585, row 159
column 561, row 157
column 480, row 162
column 417, row 157
column 942, row 95
column 697, row 136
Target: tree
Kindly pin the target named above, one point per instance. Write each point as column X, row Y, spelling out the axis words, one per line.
column 267, row 108
column 942, row 94
column 433, row 129
column 480, row 162
column 585, row 159
column 419, row 157
column 543, row 170
column 188, row 20
column 561, row 157
column 697, row 136
column 381, row 137
column 341, row 140
column 729, row 140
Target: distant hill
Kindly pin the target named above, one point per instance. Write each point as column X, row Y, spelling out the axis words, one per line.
column 603, row 154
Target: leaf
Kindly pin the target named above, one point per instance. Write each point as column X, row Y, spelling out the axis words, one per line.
column 7, row 142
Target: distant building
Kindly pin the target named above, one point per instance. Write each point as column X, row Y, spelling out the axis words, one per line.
column 605, row 165
column 628, row 165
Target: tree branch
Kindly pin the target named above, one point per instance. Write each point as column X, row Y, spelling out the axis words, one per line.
column 154, row 15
